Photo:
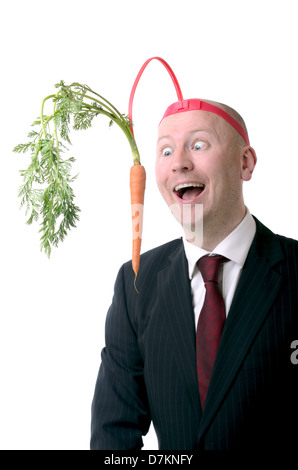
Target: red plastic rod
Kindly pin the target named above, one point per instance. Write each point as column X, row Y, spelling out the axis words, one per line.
column 173, row 77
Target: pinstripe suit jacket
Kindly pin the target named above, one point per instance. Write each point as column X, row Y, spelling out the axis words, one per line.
column 148, row 367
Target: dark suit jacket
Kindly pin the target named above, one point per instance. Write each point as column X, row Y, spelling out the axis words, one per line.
column 148, row 368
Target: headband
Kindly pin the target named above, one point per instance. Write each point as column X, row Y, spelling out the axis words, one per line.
column 186, row 105
column 195, row 105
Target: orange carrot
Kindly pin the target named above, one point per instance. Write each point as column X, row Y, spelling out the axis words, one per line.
column 137, row 191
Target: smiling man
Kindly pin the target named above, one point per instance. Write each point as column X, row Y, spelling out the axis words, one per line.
column 203, row 350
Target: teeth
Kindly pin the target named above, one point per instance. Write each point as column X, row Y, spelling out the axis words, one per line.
column 188, row 185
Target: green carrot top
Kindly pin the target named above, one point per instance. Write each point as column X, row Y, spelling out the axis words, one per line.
column 46, row 190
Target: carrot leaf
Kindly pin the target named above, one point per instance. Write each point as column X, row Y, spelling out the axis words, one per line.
column 46, row 192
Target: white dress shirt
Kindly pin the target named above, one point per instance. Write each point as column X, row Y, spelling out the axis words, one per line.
column 235, row 247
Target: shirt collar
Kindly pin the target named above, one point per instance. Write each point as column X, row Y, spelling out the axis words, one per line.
column 235, row 246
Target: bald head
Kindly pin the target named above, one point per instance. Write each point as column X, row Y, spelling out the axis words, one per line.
column 232, row 112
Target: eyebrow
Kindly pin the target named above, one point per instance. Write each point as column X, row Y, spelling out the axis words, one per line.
column 195, row 131
column 164, row 137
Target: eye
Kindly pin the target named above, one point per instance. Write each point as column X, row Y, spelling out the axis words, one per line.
column 167, row 151
column 199, row 145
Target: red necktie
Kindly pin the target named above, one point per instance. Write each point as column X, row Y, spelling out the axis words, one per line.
column 211, row 322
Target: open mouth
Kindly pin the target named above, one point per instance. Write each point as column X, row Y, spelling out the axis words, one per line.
column 189, row 191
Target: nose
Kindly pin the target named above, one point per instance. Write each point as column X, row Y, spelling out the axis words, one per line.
column 181, row 161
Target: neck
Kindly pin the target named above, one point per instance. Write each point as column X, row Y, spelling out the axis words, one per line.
column 215, row 232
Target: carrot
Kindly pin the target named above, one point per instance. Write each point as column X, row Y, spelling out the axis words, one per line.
column 137, row 192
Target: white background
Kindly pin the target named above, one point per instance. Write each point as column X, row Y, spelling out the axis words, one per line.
column 53, row 311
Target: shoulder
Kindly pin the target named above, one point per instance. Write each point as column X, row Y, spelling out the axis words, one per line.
column 288, row 243
column 270, row 240
column 156, row 257
column 266, row 231
column 151, row 263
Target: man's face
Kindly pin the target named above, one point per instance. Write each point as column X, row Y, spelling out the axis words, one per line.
column 200, row 150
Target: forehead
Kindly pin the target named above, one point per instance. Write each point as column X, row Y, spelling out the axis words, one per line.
column 180, row 124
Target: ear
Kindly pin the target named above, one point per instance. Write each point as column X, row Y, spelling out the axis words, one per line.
column 248, row 162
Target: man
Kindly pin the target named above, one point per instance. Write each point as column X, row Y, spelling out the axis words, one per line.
column 150, row 366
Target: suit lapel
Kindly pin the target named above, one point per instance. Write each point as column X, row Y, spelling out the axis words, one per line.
column 176, row 304
column 258, row 286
